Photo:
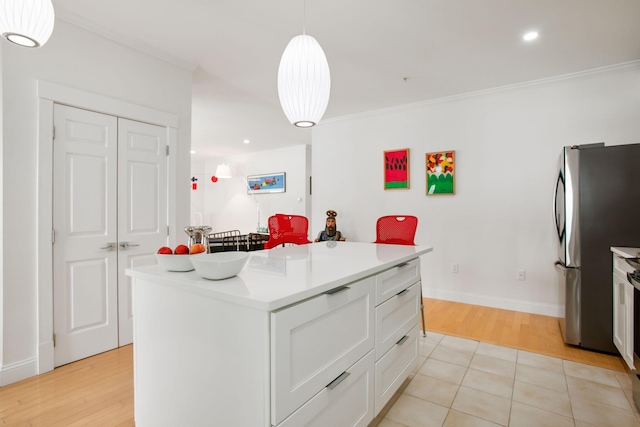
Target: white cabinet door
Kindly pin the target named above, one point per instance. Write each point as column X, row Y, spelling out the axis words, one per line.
column 618, row 314
column 315, row 341
column 629, row 316
column 623, row 317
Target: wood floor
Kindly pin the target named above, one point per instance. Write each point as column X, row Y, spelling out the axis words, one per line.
column 524, row 331
column 98, row 391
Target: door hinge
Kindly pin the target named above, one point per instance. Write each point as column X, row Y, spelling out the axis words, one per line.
column 167, row 230
column 53, row 236
column 54, row 132
column 54, row 340
column 167, row 150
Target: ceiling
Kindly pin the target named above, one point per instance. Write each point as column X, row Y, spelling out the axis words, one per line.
column 382, row 53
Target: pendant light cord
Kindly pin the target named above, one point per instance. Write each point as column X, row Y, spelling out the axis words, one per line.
column 304, row 16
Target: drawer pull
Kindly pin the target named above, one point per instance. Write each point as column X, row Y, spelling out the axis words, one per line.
column 406, row 291
column 402, row 265
column 402, row 340
column 333, row 384
column 336, row 290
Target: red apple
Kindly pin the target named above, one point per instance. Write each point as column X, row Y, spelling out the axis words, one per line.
column 181, row 250
column 165, row 250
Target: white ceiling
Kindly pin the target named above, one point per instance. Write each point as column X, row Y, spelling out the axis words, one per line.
column 382, row 53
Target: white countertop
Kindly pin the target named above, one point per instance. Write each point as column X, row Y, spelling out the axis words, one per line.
column 277, row 277
column 626, row 252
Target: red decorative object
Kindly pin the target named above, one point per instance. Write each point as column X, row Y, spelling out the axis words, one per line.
column 214, row 178
column 396, row 169
column 194, row 183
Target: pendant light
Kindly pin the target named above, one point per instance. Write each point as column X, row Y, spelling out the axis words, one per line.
column 27, row 23
column 304, row 81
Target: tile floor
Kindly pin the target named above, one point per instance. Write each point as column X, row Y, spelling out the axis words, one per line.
column 461, row 382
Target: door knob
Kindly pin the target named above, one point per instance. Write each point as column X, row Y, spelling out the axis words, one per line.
column 110, row 246
column 126, row 245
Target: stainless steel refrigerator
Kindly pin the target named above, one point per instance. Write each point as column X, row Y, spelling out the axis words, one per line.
column 596, row 206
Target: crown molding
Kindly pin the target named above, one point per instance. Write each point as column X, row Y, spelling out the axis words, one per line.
column 548, row 80
column 142, row 47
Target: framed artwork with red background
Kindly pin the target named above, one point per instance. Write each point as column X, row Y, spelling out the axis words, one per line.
column 396, row 169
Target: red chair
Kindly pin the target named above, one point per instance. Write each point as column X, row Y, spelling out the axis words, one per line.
column 396, row 229
column 399, row 230
column 285, row 228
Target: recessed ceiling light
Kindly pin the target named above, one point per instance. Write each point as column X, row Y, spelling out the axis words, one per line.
column 246, row 141
column 531, row 35
column 193, row 152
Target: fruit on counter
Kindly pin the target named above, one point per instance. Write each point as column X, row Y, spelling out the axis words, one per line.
column 181, row 250
column 165, row 250
column 197, row 248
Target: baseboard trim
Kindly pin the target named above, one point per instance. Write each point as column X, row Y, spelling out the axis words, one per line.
column 502, row 303
column 18, row 371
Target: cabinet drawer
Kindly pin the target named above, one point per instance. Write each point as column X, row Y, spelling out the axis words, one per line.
column 349, row 403
column 394, row 367
column 392, row 281
column 620, row 266
column 395, row 317
column 314, row 341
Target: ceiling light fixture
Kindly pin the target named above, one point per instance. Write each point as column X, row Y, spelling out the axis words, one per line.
column 304, row 80
column 26, row 23
column 531, row 35
column 246, row 141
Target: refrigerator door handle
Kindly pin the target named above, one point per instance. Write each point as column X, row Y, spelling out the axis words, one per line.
column 560, row 230
column 569, row 287
column 559, row 266
column 555, row 206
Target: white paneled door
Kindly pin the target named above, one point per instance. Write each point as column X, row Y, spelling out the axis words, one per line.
column 142, row 207
column 109, row 213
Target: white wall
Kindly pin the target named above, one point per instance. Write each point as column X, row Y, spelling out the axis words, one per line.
column 82, row 60
column 225, row 205
column 507, row 143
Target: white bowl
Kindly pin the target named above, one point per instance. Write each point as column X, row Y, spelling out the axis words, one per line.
column 173, row 262
column 219, row 265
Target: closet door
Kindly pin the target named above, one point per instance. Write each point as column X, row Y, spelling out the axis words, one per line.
column 110, row 213
column 142, row 207
column 85, row 270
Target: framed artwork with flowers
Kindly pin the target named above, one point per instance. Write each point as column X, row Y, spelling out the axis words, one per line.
column 441, row 173
column 396, row 169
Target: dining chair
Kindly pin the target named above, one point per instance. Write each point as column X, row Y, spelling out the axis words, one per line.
column 400, row 230
column 286, row 228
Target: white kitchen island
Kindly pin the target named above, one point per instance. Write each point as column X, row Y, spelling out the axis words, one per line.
column 320, row 334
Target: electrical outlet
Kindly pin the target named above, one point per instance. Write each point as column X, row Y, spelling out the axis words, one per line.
column 454, row 268
column 520, row 274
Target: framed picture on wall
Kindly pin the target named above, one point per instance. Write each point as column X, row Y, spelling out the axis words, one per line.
column 268, row 183
column 441, row 173
column 396, row 169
